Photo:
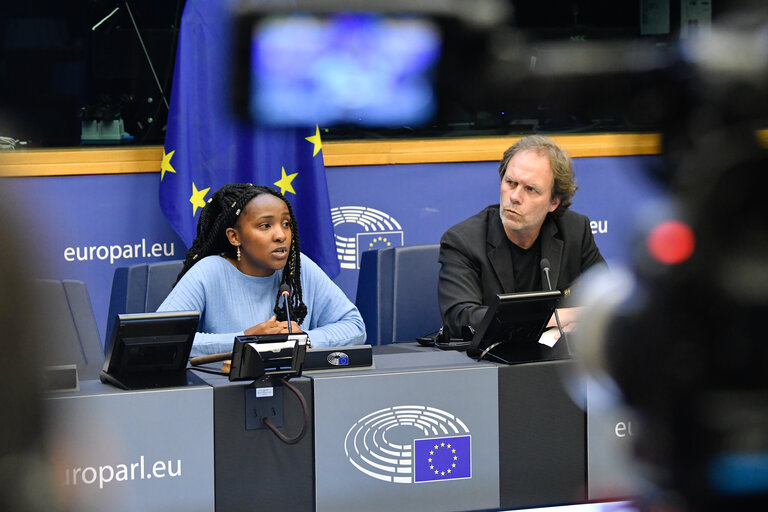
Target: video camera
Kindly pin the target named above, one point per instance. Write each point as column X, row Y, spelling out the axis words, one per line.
column 685, row 345
column 373, row 64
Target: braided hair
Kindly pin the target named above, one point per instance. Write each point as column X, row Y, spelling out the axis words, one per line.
column 221, row 212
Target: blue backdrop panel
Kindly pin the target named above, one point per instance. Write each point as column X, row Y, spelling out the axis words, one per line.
column 83, row 227
column 615, row 192
column 415, row 204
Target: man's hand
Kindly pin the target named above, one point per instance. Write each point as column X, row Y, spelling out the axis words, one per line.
column 569, row 318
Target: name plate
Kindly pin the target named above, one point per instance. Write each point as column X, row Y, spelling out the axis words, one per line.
column 61, row 378
column 337, row 358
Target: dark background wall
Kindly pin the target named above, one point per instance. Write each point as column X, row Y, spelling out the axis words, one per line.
column 55, row 70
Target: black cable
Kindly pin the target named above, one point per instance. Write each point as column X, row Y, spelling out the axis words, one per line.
column 167, row 79
column 273, row 428
column 146, row 53
column 487, row 354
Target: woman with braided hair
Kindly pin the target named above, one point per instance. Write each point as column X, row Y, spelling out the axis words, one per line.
column 247, row 246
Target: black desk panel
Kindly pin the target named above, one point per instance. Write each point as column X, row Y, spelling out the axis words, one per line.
column 542, row 437
column 254, row 469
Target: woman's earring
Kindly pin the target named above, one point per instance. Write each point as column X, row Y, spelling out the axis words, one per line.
column 238, row 253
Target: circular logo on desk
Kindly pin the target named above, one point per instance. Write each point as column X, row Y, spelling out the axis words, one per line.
column 410, row 444
column 338, row 359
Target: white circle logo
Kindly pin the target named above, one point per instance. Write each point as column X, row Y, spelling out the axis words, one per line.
column 358, row 229
column 338, row 359
column 410, row 444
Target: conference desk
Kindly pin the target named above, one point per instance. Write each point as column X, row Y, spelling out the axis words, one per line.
column 515, row 436
column 130, row 451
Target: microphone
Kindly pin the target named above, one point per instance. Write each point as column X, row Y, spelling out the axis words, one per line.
column 285, row 292
column 545, row 269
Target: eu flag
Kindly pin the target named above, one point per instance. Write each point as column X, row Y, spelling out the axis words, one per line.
column 206, row 147
column 442, row 458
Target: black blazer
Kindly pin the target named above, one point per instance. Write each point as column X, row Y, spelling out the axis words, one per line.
column 475, row 262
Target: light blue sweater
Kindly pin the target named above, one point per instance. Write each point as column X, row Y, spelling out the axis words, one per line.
column 230, row 302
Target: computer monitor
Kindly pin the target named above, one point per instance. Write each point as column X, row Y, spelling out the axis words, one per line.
column 276, row 355
column 150, row 350
column 512, row 326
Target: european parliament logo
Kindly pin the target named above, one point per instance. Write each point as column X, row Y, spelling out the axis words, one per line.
column 358, row 229
column 410, row 444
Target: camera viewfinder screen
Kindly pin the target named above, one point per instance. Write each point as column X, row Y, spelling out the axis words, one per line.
column 360, row 69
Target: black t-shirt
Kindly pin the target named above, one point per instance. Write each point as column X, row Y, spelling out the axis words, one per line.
column 526, row 267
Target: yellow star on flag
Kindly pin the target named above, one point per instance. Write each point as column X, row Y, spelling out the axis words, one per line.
column 166, row 164
column 315, row 139
column 285, row 182
column 198, row 198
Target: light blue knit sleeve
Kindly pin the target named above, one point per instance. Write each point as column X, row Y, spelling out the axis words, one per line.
column 228, row 301
column 191, row 294
column 333, row 319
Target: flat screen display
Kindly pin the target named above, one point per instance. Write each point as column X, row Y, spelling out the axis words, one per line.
column 343, row 68
column 149, row 349
column 511, row 328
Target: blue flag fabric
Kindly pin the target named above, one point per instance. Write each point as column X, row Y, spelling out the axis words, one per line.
column 442, row 458
column 206, row 147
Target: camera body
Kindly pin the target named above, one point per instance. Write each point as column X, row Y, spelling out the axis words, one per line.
column 686, row 347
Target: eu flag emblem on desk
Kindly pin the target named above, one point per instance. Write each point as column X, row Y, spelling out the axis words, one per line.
column 442, row 458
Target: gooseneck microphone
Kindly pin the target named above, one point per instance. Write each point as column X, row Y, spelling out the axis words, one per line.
column 545, row 269
column 285, row 292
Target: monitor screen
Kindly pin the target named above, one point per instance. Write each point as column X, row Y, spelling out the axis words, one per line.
column 359, row 68
column 512, row 326
column 279, row 355
column 149, row 349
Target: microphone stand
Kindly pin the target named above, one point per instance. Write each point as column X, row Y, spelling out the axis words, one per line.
column 285, row 291
column 288, row 314
column 545, row 269
column 222, row 356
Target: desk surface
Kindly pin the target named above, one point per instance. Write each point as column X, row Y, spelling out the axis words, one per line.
column 527, row 436
column 124, row 451
column 407, row 357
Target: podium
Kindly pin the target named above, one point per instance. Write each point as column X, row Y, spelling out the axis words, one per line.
column 432, row 429
column 525, row 438
column 126, row 451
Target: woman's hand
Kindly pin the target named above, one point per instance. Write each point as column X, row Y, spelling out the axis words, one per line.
column 272, row 326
